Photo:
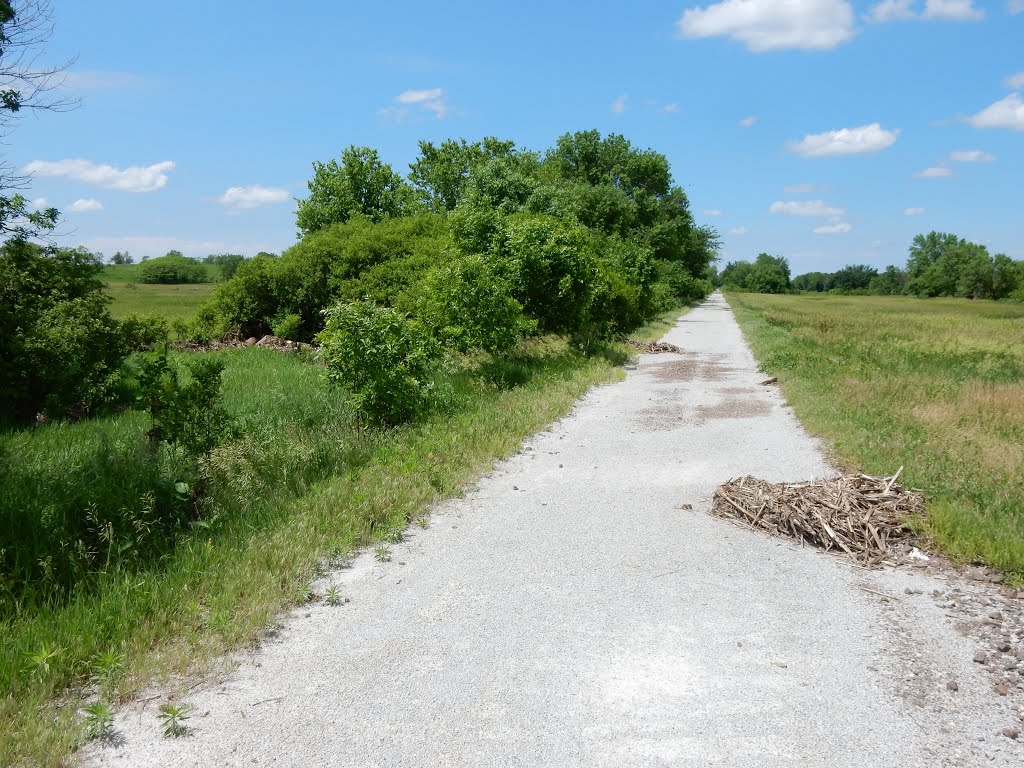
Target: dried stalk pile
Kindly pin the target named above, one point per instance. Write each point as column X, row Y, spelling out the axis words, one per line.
column 863, row 516
column 651, row 347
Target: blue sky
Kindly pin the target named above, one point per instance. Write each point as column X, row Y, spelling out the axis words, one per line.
column 826, row 131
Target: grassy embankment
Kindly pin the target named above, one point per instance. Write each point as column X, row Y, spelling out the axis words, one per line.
column 935, row 385
column 300, row 490
column 171, row 301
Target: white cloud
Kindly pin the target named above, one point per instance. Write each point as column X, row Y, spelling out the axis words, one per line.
column 1015, row 6
column 241, row 198
column 432, row 99
column 1016, row 81
column 85, row 204
column 835, row 227
column 738, row 231
column 971, row 156
column 805, row 208
column 846, row 141
column 946, row 10
column 747, row 122
column 672, row 107
column 98, row 79
column 135, row 178
column 890, row 10
column 935, row 172
column 620, row 104
column 954, row 10
column 772, row 25
column 713, row 212
column 1005, row 113
column 913, row 211
column 40, row 203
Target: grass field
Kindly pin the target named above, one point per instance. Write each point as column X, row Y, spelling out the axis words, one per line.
column 170, row 301
column 934, row 385
column 300, row 488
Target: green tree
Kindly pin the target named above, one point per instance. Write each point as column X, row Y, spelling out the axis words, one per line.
column 360, row 184
column 854, row 277
column 440, row 173
column 770, row 274
column 891, row 282
column 173, row 268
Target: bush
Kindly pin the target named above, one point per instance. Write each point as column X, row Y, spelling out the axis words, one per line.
column 172, row 268
column 384, row 360
column 287, row 326
column 59, row 347
column 142, row 332
column 346, row 262
column 468, row 306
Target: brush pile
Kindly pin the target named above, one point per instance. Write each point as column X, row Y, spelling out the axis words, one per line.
column 651, row 347
column 865, row 517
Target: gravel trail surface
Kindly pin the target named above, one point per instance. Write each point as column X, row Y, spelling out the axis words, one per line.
column 571, row 610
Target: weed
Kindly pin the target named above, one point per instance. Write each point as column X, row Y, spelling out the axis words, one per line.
column 333, row 597
column 393, row 535
column 38, row 662
column 98, row 721
column 382, row 553
column 106, row 666
column 173, row 718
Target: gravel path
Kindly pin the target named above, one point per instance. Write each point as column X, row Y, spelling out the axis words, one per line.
column 572, row 611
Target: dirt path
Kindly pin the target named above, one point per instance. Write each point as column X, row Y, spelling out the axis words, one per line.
column 568, row 612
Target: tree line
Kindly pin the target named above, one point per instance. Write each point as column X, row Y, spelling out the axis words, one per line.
column 938, row 264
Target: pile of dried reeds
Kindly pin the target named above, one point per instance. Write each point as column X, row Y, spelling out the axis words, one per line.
column 651, row 347
column 865, row 517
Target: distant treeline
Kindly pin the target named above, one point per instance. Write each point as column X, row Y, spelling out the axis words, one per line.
column 938, row 264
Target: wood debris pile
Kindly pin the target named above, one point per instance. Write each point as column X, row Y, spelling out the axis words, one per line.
column 865, row 517
column 651, row 347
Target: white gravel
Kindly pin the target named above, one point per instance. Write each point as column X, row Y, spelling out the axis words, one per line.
column 586, row 619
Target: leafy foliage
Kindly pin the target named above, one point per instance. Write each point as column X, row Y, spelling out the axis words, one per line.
column 768, row 274
column 172, row 268
column 383, row 359
column 60, row 349
column 360, row 185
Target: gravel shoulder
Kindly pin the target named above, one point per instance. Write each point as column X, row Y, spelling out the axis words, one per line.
column 572, row 610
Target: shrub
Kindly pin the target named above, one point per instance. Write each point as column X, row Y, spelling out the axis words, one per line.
column 172, row 268
column 59, row 347
column 382, row 358
column 469, row 306
column 142, row 332
column 287, row 326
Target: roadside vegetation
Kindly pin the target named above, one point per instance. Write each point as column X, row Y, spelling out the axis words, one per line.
column 159, row 504
column 935, row 386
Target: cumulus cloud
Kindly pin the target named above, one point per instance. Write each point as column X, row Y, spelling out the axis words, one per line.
column 773, row 25
column 947, row 10
column 254, row 196
column 85, row 205
column 747, row 122
column 432, row 99
column 135, row 178
column 971, row 156
column 913, row 211
column 1005, row 113
column 954, row 10
column 40, row 203
column 738, row 231
column 935, row 172
column 805, row 208
column 1016, row 81
column 835, row 227
column 891, row 10
column 621, row 104
column 845, row 141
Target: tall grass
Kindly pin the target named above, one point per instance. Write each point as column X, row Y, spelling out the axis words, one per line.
column 935, row 385
column 302, row 486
